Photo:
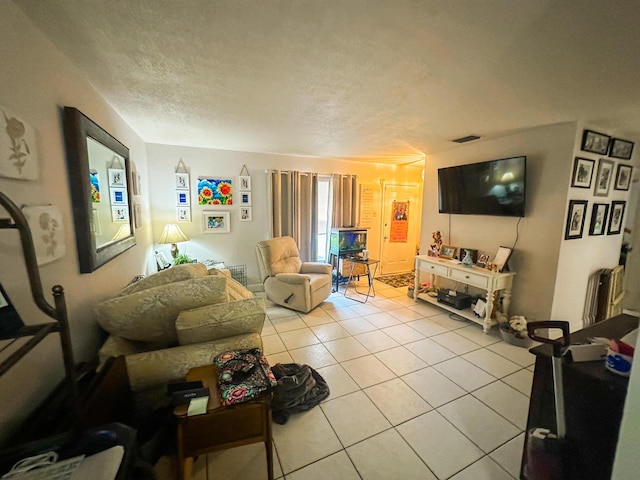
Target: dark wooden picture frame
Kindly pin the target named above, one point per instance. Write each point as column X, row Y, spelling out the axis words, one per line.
column 575, row 219
column 598, row 219
column 595, row 142
column 582, row 172
column 623, row 177
column 621, row 149
column 603, row 177
column 616, row 217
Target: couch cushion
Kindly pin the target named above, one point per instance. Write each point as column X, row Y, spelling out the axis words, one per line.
column 178, row 273
column 150, row 315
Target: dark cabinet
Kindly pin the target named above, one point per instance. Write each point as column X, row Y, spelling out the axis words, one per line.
column 594, row 402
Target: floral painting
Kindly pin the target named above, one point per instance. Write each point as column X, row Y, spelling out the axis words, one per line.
column 94, row 179
column 18, row 154
column 47, row 231
column 213, row 191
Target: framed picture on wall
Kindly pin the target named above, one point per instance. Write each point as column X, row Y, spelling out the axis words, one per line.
column 582, row 172
column 623, row 177
column 182, row 198
column 245, row 198
column 615, row 220
column 245, row 214
column 603, row 178
column 575, row 219
column 621, row 149
column 598, row 218
column 215, row 222
column 595, row 142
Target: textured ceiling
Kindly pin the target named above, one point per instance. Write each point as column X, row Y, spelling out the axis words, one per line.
column 386, row 80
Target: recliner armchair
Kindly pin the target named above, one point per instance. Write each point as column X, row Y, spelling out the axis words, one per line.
column 288, row 281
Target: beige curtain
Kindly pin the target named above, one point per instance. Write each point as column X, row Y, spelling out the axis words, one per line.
column 294, row 212
column 344, row 200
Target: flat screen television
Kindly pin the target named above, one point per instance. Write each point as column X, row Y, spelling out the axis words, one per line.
column 496, row 187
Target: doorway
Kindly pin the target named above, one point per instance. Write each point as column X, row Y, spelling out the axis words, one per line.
column 401, row 215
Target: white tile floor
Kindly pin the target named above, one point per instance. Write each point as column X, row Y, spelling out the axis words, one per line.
column 415, row 393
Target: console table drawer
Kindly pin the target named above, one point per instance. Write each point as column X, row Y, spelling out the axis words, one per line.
column 470, row 278
column 435, row 269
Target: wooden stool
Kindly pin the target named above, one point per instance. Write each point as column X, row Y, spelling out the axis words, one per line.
column 221, row 427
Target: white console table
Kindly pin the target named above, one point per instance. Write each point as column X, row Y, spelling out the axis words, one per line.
column 491, row 282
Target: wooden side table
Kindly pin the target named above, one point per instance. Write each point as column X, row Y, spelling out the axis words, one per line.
column 221, row 427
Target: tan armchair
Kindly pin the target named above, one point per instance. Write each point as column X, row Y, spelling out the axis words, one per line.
column 288, row 281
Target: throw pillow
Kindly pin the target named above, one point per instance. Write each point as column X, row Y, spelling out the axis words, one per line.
column 150, row 315
column 177, row 273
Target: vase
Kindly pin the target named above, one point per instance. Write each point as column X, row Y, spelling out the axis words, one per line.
column 467, row 261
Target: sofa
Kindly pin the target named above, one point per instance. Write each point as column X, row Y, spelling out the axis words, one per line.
column 175, row 320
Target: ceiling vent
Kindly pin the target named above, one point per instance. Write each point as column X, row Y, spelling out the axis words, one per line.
column 468, row 138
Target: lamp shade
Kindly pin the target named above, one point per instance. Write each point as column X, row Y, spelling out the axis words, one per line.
column 172, row 234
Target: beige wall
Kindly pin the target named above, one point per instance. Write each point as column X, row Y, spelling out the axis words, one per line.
column 552, row 273
column 238, row 247
column 539, row 233
column 36, row 80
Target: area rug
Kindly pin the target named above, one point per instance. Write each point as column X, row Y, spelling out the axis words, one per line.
column 397, row 279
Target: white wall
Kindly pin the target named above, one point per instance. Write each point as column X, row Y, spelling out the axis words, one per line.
column 238, row 247
column 549, row 152
column 36, row 81
column 579, row 258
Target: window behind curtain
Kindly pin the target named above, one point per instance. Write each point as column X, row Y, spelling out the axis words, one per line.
column 324, row 217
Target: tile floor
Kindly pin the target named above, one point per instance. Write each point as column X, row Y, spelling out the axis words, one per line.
column 415, row 394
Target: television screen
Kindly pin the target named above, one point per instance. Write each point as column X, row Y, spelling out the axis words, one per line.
column 496, row 187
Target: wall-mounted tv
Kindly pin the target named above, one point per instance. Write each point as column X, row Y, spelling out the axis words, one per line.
column 496, row 187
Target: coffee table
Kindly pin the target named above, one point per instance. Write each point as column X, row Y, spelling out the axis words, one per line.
column 221, row 427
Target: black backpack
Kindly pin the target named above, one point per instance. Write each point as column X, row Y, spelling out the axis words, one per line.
column 300, row 388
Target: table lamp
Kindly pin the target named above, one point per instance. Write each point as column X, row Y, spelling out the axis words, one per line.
column 172, row 234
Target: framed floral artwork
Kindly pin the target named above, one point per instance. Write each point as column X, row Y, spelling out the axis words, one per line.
column 215, row 191
column 18, row 149
column 215, row 222
column 47, row 230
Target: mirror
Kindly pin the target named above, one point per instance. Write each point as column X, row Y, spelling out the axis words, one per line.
column 99, row 178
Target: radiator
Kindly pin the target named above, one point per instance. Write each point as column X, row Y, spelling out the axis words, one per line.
column 591, row 299
column 605, row 291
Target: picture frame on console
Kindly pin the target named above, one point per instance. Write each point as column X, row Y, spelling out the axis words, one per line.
column 502, row 257
column 595, row 142
column 582, row 172
column 482, row 260
column 575, row 219
column 447, row 251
